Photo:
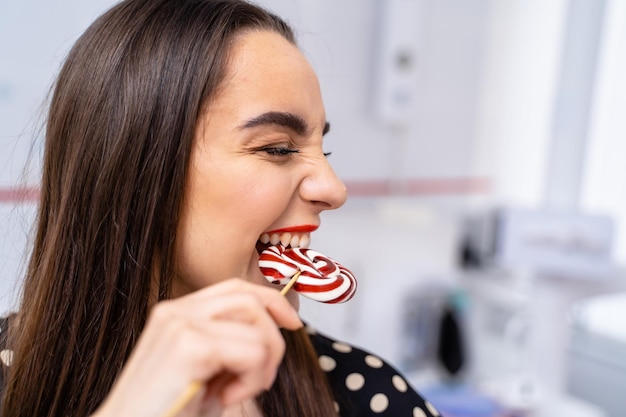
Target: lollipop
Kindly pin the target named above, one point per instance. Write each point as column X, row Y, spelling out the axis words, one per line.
column 319, row 277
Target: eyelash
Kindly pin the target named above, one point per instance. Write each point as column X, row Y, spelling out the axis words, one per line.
column 281, row 151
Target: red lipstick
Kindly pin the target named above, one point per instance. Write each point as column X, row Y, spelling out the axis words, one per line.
column 305, row 228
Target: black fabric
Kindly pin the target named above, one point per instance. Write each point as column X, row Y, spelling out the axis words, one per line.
column 5, row 353
column 365, row 385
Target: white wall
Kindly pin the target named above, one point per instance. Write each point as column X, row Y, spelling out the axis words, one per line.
column 34, row 37
column 519, row 86
column 15, row 227
column 605, row 167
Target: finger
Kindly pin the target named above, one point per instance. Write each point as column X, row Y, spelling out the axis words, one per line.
column 263, row 333
column 239, row 308
column 242, row 348
column 205, row 303
column 224, row 355
column 173, row 320
column 246, row 360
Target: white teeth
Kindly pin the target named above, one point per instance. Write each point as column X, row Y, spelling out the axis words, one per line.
column 285, row 239
column 274, row 239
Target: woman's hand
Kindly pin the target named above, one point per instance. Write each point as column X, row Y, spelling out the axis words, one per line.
column 225, row 336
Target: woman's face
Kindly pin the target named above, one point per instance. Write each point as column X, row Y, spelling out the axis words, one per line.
column 258, row 169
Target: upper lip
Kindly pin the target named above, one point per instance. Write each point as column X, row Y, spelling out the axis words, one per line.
column 304, row 228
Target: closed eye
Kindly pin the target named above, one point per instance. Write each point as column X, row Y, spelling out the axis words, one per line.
column 279, row 151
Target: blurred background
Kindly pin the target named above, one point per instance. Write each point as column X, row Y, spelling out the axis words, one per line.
column 483, row 145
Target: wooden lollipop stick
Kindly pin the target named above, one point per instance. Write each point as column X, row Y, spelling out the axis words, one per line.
column 193, row 388
column 290, row 283
column 182, row 400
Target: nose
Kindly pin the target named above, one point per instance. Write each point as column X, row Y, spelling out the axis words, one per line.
column 322, row 187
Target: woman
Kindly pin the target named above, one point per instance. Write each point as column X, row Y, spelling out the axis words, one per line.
column 179, row 132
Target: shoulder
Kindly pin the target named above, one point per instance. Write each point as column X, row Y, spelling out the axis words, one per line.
column 365, row 384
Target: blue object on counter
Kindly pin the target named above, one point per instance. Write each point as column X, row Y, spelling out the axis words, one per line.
column 462, row 401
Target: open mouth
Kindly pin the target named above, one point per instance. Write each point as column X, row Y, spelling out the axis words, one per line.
column 286, row 239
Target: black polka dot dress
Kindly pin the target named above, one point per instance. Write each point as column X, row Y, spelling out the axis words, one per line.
column 364, row 384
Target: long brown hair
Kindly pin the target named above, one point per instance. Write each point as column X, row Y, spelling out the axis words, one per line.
column 118, row 138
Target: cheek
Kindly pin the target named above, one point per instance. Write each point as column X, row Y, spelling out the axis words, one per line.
column 221, row 223
column 229, row 201
column 268, row 198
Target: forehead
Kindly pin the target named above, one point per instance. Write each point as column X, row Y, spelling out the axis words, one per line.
column 254, row 51
column 267, row 72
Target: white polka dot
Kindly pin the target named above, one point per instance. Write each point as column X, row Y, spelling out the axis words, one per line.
column 7, row 357
column 418, row 412
column 336, row 406
column 379, row 403
column 399, row 383
column 355, row 381
column 310, row 330
column 432, row 409
column 342, row 347
column 327, row 363
column 373, row 361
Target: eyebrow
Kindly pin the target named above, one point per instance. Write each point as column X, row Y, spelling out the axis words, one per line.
column 288, row 120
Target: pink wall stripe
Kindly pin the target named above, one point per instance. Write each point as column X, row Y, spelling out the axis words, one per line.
column 373, row 188
column 18, row 194
column 420, row 187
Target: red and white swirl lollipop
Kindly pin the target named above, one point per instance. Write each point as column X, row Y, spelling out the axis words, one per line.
column 320, row 278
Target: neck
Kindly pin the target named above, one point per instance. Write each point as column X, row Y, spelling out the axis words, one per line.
column 247, row 408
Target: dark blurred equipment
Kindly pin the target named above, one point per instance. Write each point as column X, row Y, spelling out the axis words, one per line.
column 450, row 349
column 433, row 331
